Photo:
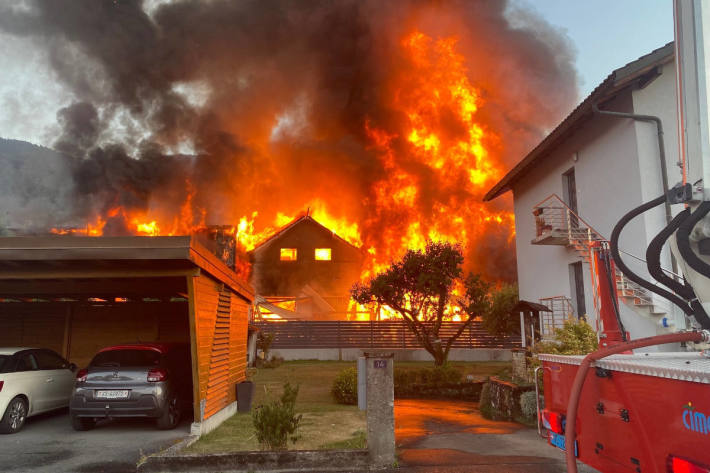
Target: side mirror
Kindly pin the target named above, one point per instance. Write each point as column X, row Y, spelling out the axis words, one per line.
column 72, row 367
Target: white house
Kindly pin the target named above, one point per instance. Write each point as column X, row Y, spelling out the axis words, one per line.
column 600, row 167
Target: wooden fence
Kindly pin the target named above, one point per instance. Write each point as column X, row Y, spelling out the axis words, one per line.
column 373, row 334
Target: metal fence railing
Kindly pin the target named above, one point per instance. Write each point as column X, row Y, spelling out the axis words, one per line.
column 560, row 310
column 374, row 334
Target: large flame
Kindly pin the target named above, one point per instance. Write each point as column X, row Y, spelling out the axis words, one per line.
column 440, row 137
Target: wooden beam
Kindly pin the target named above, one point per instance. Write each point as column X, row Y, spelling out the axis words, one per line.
column 112, row 287
column 193, row 349
column 107, row 273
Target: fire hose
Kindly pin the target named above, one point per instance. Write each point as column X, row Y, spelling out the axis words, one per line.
column 576, row 392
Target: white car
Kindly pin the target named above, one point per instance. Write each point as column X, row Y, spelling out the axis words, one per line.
column 32, row 381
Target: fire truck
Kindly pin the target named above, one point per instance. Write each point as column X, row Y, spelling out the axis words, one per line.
column 620, row 411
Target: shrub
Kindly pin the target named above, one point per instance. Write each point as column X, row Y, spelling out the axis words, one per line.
column 263, row 343
column 575, row 337
column 404, row 378
column 528, row 405
column 440, row 375
column 344, row 387
column 411, row 381
column 496, row 319
column 276, row 421
column 273, row 362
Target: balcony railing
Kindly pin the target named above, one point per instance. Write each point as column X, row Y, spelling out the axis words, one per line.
column 557, row 224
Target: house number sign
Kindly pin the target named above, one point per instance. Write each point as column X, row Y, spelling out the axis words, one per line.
column 380, row 364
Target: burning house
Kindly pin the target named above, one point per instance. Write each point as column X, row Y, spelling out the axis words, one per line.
column 305, row 271
column 392, row 118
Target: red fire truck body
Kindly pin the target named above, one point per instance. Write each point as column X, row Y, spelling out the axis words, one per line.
column 637, row 413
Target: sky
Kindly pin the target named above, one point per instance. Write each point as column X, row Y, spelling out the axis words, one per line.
column 606, row 34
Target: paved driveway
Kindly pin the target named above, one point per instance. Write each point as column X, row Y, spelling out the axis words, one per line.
column 445, row 436
column 49, row 444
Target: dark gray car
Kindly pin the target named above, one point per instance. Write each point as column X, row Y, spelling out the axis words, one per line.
column 140, row 380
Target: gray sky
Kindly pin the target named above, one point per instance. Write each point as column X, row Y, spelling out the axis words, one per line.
column 607, row 34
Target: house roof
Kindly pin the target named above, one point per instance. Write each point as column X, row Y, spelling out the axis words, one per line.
column 292, row 224
column 529, row 306
column 641, row 70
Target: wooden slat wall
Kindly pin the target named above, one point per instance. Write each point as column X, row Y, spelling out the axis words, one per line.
column 32, row 325
column 218, row 381
column 221, row 338
column 238, row 343
column 373, row 334
column 91, row 327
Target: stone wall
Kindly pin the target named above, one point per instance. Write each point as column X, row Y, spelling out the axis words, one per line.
column 505, row 398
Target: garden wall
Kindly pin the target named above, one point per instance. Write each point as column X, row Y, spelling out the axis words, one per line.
column 505, row 398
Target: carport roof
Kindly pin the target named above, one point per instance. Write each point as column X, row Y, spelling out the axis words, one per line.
column 112, row 258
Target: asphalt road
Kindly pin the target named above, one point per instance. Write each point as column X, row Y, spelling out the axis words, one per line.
column 49, row 444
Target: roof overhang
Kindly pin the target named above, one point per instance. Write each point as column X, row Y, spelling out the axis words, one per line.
column 636, row 73
column 77, row 262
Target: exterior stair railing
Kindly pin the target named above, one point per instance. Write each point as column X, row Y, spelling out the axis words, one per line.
column 557, row 224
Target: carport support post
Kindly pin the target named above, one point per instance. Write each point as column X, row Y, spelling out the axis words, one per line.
column 380, row 408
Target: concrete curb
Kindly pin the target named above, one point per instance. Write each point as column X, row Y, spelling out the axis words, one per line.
column 287, row 461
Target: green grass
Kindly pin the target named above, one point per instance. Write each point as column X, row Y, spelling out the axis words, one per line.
column 358, row 440
column 325, row 424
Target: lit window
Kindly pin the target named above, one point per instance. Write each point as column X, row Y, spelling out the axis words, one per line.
column 289, row 254
column 323, row 254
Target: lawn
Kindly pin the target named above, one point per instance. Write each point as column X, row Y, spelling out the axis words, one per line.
column 325, row 423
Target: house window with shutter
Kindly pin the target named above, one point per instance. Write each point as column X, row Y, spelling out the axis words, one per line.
column 289, row 254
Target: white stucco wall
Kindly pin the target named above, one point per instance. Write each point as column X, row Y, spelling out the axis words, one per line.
column 659, row 99
column 616, row 169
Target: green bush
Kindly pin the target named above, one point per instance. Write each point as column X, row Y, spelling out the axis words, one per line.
column 344, row 388
column 263, row 343
column 273, row 362
column 411, row 381
column 575, row 337
column 440, row 375
column 276, row 422
column 528, row 405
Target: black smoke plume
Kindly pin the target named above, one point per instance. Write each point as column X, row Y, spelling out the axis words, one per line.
column 271, row 98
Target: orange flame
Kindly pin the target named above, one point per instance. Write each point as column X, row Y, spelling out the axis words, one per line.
column 440, row 130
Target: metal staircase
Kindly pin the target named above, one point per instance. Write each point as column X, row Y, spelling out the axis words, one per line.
column 557, row 224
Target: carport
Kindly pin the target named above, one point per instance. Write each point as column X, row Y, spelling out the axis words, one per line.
column 78, row 294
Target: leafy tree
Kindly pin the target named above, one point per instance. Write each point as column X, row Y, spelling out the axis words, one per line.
column 497, row 319
column 419, row 288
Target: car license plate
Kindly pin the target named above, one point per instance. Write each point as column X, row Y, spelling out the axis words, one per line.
column 113, row 394
column 559, row 441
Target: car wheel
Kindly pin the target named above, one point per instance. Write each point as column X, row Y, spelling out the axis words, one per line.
column 14, row 418
column 171, row 415
column 82, row 423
